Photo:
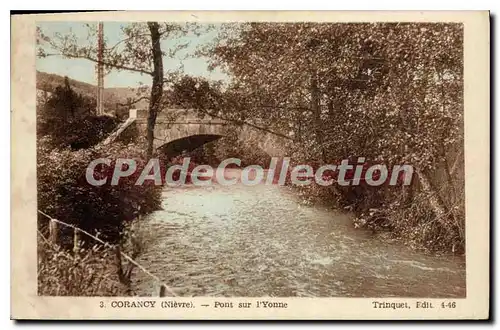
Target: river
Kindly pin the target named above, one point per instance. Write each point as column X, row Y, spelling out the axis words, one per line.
column 258, row 241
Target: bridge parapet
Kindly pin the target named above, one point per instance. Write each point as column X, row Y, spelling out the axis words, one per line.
column 174, row 115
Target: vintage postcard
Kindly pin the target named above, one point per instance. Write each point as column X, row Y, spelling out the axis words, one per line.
column 250, row 165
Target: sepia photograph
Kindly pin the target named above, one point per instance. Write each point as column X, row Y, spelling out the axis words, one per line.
column 265, row 159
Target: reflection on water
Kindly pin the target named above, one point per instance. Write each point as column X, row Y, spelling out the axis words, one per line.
column 259, row 241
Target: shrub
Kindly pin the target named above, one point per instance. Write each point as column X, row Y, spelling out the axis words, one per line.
column 68, row 119
column 68, row 140
column 65, row 194
column 90, row 131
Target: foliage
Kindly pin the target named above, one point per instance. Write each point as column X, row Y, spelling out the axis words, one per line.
column 69, row 119
column 68, row 140
column 230, row 146
column 139, row 51
column 190, row 92
column 65, row 194
column 92, row 272
column 390, row 92
column 115, row 100
column 90, row 131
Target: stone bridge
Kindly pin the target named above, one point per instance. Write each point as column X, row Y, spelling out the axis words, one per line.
column 183, row 129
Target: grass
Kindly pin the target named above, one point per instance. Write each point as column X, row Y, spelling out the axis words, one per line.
column 90, row 272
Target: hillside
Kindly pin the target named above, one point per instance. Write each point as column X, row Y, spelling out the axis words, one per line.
column 112, row 96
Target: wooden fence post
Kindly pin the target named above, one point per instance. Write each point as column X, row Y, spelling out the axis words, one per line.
column 122, row 276
column 53, row 231
column 162, row 291
column 76, row 241
column 119, row 268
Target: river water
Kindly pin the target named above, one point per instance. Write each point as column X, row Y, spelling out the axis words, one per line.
column 261, row 241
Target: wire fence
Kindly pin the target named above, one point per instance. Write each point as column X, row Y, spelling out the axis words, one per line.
column 53, row 239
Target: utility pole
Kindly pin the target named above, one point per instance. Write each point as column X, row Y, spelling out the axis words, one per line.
column 100, row 69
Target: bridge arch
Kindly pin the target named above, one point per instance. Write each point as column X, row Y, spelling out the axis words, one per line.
column 187, row 143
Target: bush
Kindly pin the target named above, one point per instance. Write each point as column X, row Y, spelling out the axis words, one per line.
column 68, row 119
column 68, row 136
column 65, row 194
column 392, row 93
column 90, row 131
column 231, row 146
column 408, row 212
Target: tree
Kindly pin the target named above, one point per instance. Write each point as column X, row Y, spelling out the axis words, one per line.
column 157, row 87
column 63, row 113
column 300, row 75
column 138, row 51
column 358, row 75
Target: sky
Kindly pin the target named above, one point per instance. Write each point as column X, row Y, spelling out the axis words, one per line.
column 84, row 70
